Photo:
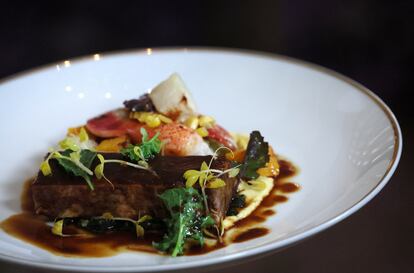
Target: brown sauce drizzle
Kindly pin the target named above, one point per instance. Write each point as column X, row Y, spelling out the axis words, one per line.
column 32, row 228
column 250, row 234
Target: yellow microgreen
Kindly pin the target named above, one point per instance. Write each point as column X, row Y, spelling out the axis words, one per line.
column 45, row 166
column 202, row 131
column 191, row 177
column 215, row 183
column 99, row 170
column 203, row 173
column 204, row 166
column 83, row 135
column 139, row 230
column 234, row 172
column 144, row 219
column 207, row 177
column 69, row 143
column 137, row 150
column 57, row 228
column 75, row 156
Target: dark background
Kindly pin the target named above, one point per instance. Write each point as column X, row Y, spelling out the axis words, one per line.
column 369, row 41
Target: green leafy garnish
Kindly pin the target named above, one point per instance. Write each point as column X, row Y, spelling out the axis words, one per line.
column 186, row 221
column 77, row 142
column 209, row 178
column 257, row 155
column 77, row 163
column 144, row 151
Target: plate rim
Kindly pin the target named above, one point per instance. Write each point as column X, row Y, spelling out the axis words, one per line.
column 261, row 249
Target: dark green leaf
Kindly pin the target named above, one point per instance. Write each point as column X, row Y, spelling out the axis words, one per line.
column 257, row 155
column 128, row 151
column 148, row 148
column 86, row 158
column 186, row 220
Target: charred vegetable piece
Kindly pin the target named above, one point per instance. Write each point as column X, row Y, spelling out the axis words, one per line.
column 257, row 155
column 98, row 225
column 142, row 104
column 186, row 221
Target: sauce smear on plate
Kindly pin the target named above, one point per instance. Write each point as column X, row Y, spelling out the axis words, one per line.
column 33, row 228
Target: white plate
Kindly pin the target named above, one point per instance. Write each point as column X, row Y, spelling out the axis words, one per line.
column 345, row 140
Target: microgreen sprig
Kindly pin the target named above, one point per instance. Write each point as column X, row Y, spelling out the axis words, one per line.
column 209, row 178
column 76, row 162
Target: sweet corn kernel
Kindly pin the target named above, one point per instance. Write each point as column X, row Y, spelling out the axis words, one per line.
column 164, row 119
column 153, row 121
column 144, row 117
column 206, row 121
column 202, row 132
column 192, row 122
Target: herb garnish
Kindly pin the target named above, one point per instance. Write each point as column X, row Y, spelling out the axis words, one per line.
column 257, row 155
column 209, row 178
column 146, row 150
column 77, row 163
column 186, row 222
column 139, row 154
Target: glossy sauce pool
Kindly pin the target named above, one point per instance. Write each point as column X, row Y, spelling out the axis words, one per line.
column 33, row 228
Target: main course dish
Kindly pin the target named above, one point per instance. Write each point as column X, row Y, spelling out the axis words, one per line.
column 155, row 176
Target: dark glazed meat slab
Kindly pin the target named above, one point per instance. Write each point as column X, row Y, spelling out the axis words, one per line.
column 135, row 191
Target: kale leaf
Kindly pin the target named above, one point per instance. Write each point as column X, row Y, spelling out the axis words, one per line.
column 257, row 155
column 146, row 150
column 186, row 221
